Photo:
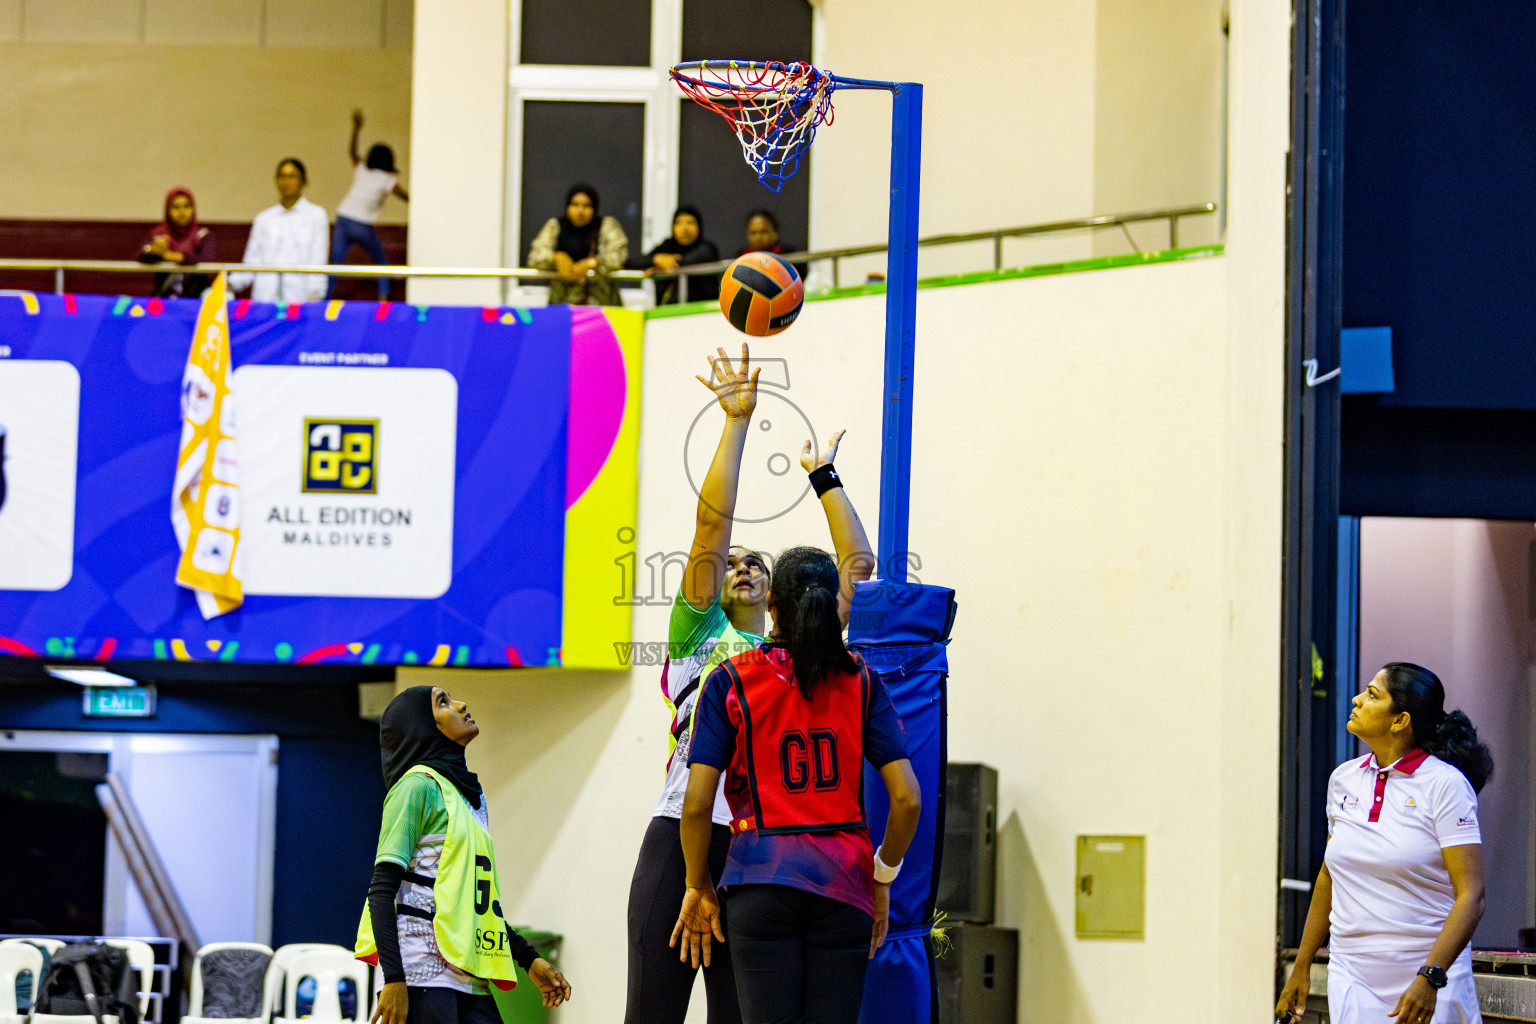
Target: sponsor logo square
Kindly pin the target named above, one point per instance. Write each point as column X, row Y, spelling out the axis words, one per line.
column 320, row 514
column 341, row 456
column 39, row 441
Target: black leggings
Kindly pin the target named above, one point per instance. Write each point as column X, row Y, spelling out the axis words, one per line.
column 800, row 957
column 659, row 983
column 449, row 1006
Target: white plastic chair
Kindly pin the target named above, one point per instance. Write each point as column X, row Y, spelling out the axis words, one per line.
column 283, row 995
column 329, row 966
column 51, row 945
column 17, row 958
column 141, row 958
column 213, row 949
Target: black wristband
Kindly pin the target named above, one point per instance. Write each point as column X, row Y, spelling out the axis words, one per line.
column 824, row 479
column 1434, row 975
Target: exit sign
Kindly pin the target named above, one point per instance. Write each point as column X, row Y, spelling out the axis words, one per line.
column 119, row 701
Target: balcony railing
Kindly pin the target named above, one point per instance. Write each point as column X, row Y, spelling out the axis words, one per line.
column 62, row 268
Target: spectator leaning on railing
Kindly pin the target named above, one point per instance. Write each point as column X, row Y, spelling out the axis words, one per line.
column 582, row 249
column 294, row 232
column 684, row 247
column 179, row 239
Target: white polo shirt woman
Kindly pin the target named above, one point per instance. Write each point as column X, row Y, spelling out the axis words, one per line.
column 1392, row 891
column 1401, row 886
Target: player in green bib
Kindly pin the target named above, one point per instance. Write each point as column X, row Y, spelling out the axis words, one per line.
column 433, row 922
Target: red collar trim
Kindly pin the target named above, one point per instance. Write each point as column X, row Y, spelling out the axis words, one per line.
column 1407, row 764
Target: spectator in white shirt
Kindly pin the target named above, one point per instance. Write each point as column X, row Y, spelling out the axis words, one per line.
column 373, row 181
column 294, row 232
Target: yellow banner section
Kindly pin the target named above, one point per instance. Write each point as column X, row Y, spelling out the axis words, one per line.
column 600, row 525
column 205, row 501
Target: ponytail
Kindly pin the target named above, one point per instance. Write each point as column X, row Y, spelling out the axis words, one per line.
column 1456, row 743
column 1450, row 737
column 804, row 590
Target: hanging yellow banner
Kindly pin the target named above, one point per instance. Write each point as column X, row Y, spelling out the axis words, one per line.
column 205, row 502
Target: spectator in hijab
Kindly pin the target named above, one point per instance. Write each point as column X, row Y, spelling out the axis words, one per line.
column 763, row 236
column 294, row 232
column 179, row 239
column 582, row 249
column 373, row 181
column 684, row 247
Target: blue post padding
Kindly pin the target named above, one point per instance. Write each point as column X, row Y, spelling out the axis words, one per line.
column 901, row 630
column 1365, row 359
column 900, row 327
column 900, row 986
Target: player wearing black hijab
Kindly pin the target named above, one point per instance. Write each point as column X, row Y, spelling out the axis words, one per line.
column 433, row 921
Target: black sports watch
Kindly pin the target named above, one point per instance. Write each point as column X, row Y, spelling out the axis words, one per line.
column 1434, row 975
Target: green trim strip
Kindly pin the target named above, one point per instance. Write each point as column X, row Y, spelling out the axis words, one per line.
column 980, row 277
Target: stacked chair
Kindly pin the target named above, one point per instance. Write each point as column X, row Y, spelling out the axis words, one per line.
column 232, row 982
column 17, row 957
column 140, row 957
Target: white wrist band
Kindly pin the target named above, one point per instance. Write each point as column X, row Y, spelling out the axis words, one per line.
column 885, row 873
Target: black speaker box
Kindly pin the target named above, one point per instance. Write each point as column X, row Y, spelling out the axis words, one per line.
column 979, row 976
column 968, row 871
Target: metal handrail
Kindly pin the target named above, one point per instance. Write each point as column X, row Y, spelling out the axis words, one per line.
column 996, row 235
column 1121, row 220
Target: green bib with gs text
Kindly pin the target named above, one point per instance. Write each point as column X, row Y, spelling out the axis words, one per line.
column 471, row 933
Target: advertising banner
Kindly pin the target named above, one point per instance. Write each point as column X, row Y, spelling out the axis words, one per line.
column 368, row 482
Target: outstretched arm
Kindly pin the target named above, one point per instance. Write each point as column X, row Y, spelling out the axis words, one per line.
column 357, row 126
column 737, row 394
column 855, row 557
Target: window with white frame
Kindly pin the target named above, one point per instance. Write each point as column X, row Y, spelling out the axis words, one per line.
column 590, row 102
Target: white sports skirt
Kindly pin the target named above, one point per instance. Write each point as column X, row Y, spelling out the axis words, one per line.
column 1363, row 988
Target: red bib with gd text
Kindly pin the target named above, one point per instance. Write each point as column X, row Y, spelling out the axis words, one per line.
column 804, row 757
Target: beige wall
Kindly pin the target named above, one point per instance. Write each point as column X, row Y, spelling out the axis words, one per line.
column 1158, row 115
column 108, row 105
column 459, row 109
column 1244, row 819
column 1008, row 126
column 1036, row 110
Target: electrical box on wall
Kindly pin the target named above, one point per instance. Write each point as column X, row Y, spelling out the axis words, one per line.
column 1111, row 887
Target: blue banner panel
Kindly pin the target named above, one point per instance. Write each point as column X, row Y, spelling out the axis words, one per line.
column 401, row 482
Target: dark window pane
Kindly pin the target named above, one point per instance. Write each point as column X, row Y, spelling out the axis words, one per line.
column 56, row 842
column 605, row 32
column 713, row 175
column 598, row 144
column 747, row 29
